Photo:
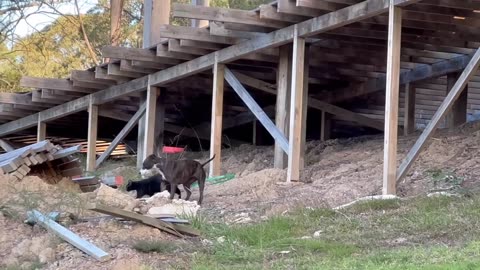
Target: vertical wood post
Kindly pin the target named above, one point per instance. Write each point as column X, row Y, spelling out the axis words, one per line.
column 409, row 110
column 217, row 118
column 297, row 104
column 391, row 101
column 41, row 131
column 326, row 126
column 116, row 7
column 200, row 23
column 160, row 122
column 306, row 69
column 458, row 113
column 141, row 134
column 254, row 132
column 150, row 115
column 92, row 136
column 156, row 13
column 282, row 115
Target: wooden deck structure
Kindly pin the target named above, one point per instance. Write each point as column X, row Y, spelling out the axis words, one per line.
column 389, row 65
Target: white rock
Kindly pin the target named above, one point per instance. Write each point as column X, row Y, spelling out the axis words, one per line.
column 442, row 193
column 284, row 252
column 221, row 239
column 317, row 233
column 306, row 237
column 207, row 242
column 177, row 208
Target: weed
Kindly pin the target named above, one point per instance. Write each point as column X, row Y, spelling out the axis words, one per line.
column 445, row 178
column 148, row 246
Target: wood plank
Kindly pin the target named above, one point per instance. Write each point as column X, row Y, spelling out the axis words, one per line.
column 164, row 226
column 195, row 34
column 92, row 136
column 256, row 109
column 136, row 54
column 282, row 115
column 89, row 77
column 446, row 105
column 217, row 119
column 391, row 100
column 409, row 109
column 121, row 135
column 68, row 151
column 6, row 145
column 325, row 126
column 114, row 69
column 297, row 103
column 69, row 236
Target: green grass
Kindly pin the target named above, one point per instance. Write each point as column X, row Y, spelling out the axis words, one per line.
column 148, row 246
column 422, row 233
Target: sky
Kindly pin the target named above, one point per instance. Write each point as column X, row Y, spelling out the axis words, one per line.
column 37, row 21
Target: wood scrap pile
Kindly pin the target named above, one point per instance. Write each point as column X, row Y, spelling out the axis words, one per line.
column 52, row 158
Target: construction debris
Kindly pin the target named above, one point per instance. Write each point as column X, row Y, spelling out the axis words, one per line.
column 69, row 236
column 175, row 229
column 19, row 162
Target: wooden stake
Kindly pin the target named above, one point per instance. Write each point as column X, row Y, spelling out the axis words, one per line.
column 217, row 119
column 41, row 131
column 282, row 116
column 92, row 136
column 391, row 100
column 141, row 134
column 306, row 69
column 409, row 115
column 458, row 114
column 446, row 105
column 326, row 126
column 297, row 102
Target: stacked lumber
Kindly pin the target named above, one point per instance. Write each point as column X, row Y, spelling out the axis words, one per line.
column 19, row 162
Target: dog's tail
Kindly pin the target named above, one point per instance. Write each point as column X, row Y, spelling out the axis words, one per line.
column 208, row 161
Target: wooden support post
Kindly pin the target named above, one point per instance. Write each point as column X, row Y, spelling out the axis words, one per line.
column 254, row 132
column 409, row 110
column 150, row 122
column 92, row 136
column 297, row 103
column 116, row 7
column 446, row 105
column 141, row 134
column 458, row 114
column 123, row 133
column 156, row 13
column 326, row 126
column 217, row 119
column 160, row 122
column 284, row 80
column 391, row 100
column 200, row 23
column 41, row 131
column 306, row 69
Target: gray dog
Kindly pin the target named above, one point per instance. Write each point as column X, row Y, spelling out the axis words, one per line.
column 176, row 172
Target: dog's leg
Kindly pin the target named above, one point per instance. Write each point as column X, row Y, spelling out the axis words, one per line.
column 189, row 192
column 172, row 190
column 177, row 190
column 201, row 187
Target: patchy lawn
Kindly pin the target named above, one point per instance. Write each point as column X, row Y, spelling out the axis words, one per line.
column 421, row 233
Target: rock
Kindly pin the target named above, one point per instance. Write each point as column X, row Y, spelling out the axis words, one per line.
column 221, row 239
column 317, row 234
column 47, row 255
column 207, row 242
column 306, row 237
column 442, row 193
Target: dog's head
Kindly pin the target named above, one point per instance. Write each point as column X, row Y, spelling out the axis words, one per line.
column 129, row 186
column 151, row 160
column 152, row 166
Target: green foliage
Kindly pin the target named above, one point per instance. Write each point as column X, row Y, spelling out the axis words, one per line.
column 390, row 234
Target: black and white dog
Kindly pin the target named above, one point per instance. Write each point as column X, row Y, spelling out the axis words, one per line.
column 150, row 186
column 176, row 172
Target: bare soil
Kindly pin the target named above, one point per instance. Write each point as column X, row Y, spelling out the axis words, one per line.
column 336, row 172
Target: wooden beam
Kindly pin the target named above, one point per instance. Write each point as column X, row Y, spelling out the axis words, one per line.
column 458, row 114
column 141, row 133
column 123, row 133
column 332, row 20
column 392, row 100
column 41, row 131
column 6, row 145
column 115, row 70
column 92, row 136
column 217, row 119
column 156, row 13
column 136, row 54
column 446, row 105
column 306, row 72
column 200, row 23
column 196, row 34
column 223, row 15
column 282, row 115
column 69, row 236
column 256, row 109
column 160, row 122
column 297, row 103
column 409, row 109
column 150, row 122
